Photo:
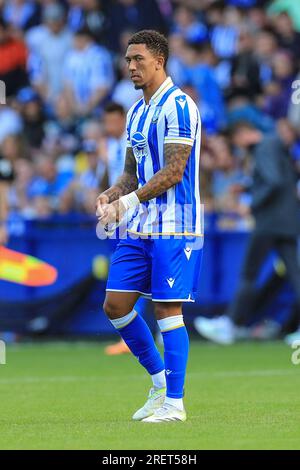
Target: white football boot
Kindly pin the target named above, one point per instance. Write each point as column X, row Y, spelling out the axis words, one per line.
column 155, row 400
column 165, row 414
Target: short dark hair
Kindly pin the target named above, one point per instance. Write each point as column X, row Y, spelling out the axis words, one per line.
column 154, row 41
column 113, row 107
column 84, row 30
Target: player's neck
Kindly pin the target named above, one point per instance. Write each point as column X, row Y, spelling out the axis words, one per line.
column 152, row 88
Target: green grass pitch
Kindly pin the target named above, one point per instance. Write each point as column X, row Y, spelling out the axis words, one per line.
column 70, row 396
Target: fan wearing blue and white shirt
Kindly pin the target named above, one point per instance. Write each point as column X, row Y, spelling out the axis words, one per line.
column 88, row 73
column 160, row 257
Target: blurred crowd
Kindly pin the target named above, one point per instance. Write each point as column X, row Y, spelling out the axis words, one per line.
column 68, row 92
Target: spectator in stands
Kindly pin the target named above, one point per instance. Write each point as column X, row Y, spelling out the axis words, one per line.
column 81, row 193
column 266, row 45
column 13, row 54
column 288, row 38
column 91, row 13
column 200, row 74
column 245, row 68
column 33, row 117
column 276, row 212
column 224, row 34
column 175, row 65
column 279, row 90
column 61, row 132
column 135, row 15
column 92, row 130
column 186, row 24
column 48, row 185
column 21, row 14
column 114, row 126
column 20, row 198
column 229, row 178
column 289, row 6
column 49, row 44
column 256, row 19
column 88, row 74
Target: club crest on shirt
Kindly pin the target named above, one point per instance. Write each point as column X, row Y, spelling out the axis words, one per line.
column 156, row 113
column 139, row 146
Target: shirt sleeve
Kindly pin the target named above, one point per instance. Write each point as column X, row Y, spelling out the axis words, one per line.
column 182, row 119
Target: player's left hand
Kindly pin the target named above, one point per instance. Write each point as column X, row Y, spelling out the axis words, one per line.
column 113, row 214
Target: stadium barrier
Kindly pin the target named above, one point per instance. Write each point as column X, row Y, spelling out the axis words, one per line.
column 73, row 304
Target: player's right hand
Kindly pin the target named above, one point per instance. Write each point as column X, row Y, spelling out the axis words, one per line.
column 101, row 204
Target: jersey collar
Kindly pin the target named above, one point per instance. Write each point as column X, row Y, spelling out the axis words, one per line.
column 164, row 87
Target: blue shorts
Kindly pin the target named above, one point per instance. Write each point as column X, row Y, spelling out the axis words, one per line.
column 165, row 270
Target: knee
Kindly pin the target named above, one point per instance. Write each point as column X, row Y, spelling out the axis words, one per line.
column 114, row 310
column 165, row 310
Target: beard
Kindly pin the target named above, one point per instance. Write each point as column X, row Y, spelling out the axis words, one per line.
column 138, row 87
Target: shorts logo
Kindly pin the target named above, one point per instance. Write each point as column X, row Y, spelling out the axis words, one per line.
column 188, row 252
column 170, row 281
column 139, row 146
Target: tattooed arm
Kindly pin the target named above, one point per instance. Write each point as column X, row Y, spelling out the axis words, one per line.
column 126, row 183
column 176, row 157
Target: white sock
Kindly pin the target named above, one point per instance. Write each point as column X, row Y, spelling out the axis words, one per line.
column 170, row 323
column 177, row 402
column 159, row 380
column 119, row 323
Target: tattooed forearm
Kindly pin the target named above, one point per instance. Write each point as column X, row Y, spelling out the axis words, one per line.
column 176, row 157
column 127, row 182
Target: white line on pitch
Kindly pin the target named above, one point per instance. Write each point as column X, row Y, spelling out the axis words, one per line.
column 205, row 375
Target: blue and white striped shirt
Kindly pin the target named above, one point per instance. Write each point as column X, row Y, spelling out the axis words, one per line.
column 85, row 71
column 170, row 117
